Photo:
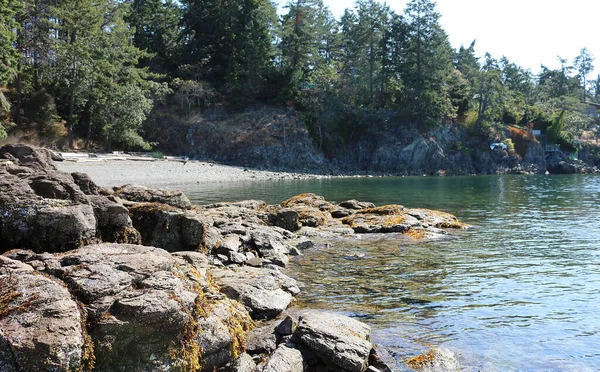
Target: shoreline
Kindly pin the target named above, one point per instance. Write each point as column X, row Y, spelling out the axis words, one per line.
column 165, row 173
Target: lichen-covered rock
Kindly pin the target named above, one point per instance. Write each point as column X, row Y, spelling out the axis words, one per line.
column 341, row 342
column 46, row 210
column 147, row 309
column 142, row 194
column 40, row 324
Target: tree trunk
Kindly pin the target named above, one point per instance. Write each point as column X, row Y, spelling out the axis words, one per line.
column 19, row 106
column 72, row 91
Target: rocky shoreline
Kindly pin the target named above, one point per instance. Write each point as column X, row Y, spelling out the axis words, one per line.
column 139, row 279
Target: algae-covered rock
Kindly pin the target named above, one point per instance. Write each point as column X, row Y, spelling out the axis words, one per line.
column 147, row 309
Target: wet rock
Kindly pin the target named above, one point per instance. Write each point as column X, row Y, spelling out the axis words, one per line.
column 285, row 359
column 287, row 326
column 142, row 194
column 339, row 341
column 40, row 324
column 264, row 292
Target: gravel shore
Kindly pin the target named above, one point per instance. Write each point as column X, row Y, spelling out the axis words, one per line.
column 164, row 173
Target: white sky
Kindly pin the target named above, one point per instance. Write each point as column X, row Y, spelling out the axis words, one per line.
column 528, row 32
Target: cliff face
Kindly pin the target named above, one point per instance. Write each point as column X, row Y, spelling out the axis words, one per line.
column 278, row 139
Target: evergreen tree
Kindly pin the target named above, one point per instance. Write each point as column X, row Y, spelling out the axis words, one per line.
column 9, row 10
column 230, row 41
column 584, row 63
column 156, row 24
column 426, row 67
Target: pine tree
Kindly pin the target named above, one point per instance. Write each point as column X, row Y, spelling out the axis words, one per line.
column 9, row 10
column 426, row 67
column 156, row 24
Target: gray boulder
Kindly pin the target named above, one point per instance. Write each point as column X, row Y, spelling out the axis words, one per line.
column 142, row 194
column 40, row 323
column 285, row 359
column 264, row 292
column 341, row 342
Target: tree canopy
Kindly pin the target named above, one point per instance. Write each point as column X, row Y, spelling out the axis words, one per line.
column 97, row 70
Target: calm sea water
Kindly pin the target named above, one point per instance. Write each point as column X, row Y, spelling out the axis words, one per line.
column 520, row 292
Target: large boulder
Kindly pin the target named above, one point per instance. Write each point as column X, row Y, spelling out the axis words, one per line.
column 40, row 323
column 142, row 194
column 339, row 341
column 47, row 211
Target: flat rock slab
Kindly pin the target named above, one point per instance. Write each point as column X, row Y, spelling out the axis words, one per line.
column 142, row 194
column 264, row 292
column 341, row 342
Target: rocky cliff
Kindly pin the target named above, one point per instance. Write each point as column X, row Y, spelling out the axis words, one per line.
column 278, row 139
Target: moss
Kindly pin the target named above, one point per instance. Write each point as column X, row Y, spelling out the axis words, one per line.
column 421, row 361
column 147, row 208
column 394, row 220
column 88, row 357
column 239, row 324
column 416, row 234
column 383, row 210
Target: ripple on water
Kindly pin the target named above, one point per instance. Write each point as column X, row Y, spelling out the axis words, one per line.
column 519, row 293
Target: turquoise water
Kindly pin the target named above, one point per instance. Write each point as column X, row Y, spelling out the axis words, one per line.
column 520, row 292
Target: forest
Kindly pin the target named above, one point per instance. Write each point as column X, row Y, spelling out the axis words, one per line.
column 112, row 74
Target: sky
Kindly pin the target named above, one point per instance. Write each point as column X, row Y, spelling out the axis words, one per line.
column 528, row 32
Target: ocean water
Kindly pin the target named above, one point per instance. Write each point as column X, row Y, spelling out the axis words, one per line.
column 518, row 292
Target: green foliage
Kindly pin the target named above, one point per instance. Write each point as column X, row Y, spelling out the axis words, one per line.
column 42, row 114
column 557, row 134
column 426, row 66
column 9, row 10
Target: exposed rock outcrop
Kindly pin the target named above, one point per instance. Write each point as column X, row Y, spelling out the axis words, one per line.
column 45, row 210
column 190, row 297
